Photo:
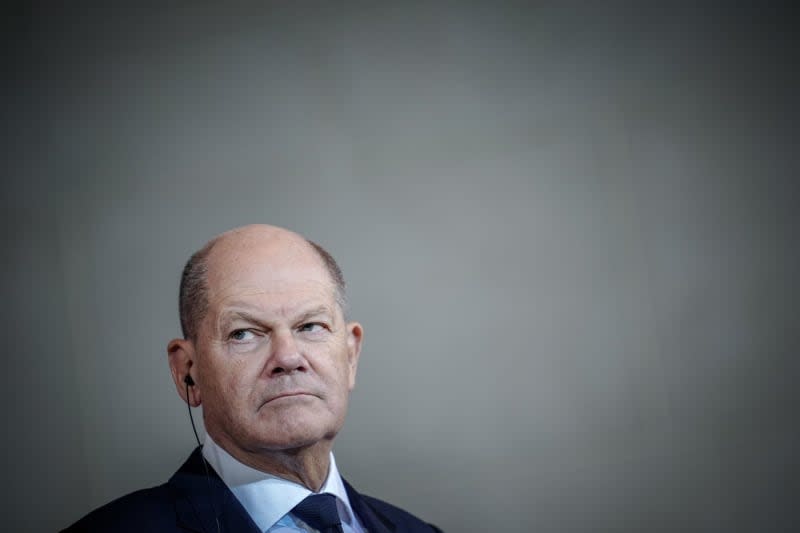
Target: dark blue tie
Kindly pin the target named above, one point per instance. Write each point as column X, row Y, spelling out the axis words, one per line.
column 319, row 512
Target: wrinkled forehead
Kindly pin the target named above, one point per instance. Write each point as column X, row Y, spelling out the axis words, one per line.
column 254, row 265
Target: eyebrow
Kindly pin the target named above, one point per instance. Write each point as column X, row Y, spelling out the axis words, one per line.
column 238, row 314
column 248, row 316
column 320, row 310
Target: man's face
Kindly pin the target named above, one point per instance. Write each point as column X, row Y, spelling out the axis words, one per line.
column 275, row 359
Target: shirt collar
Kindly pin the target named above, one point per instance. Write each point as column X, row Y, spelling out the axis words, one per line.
column 266, row 497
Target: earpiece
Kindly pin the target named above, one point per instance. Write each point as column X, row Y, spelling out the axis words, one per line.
column 190, row 383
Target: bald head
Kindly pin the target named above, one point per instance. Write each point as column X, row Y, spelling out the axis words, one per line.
column 233, row 249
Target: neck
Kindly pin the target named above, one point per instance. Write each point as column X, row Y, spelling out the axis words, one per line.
column 307, row 466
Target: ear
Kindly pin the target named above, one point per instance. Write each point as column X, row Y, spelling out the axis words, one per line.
column 355, row 335
column 181, row 354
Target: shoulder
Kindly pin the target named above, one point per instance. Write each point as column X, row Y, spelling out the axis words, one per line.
column 403, row 520
column 144, row 510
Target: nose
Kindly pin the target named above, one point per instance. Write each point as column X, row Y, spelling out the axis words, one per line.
column 284, row 358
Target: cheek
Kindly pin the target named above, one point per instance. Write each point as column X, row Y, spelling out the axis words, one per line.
column 342, row 376
column 229, row 383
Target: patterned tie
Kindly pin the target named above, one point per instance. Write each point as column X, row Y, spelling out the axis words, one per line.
column 319, row 512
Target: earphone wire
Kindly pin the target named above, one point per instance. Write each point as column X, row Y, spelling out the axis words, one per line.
column 205, row 463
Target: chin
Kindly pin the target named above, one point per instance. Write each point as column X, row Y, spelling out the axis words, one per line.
column 296, row 436
column 288, row 442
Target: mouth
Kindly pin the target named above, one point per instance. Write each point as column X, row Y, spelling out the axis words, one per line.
column 293, row 394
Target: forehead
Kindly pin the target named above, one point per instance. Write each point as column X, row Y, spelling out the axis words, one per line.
column 281, row 270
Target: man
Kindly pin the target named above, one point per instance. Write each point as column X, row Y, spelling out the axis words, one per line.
column 268, row 353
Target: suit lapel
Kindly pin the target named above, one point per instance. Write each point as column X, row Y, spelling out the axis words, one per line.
column 201, row 497
column 372, row 519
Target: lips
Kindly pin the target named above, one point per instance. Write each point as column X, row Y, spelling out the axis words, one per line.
column 288, row 394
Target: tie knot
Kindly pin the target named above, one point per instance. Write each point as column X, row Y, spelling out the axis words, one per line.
column 319, row 512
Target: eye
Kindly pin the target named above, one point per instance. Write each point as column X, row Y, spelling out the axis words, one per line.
column 241, row 335
column 312, row 327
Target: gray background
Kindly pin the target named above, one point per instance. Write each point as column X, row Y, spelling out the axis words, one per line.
column 568, row 232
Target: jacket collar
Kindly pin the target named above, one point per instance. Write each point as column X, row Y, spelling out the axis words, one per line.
column 202, row 498
column 372, row 519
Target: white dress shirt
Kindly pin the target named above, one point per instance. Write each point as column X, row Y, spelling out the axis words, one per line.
column 269, row 499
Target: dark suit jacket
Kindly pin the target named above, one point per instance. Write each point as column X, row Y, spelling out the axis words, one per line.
column 191, row 500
